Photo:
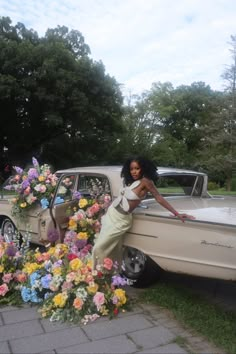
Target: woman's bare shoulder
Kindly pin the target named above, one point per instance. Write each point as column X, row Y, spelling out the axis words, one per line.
column 147, row 182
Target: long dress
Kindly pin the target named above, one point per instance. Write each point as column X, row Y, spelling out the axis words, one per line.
column 115, row 223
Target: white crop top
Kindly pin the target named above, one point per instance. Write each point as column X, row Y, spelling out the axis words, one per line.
column 126, row 193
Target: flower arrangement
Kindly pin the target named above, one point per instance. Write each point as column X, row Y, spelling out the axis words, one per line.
column 67, row 289
column 11, row 275
column 84, row 222
column 36, row 184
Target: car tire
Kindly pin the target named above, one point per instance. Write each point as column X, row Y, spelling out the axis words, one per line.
column 8, row 230
column 139, row 269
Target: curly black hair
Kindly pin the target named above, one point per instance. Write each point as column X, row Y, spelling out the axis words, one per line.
column 148, row 168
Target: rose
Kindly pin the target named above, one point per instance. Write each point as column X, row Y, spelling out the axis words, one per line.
column 99, row 299
column 60, row 300
column 76, row 264
column 107, row 263
column 7, row 277
column 3, row 289
column 78, row 303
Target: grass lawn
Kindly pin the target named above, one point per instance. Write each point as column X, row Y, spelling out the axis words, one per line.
column 195, row 312
column 222, row 192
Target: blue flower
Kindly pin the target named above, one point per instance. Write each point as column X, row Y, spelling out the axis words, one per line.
column 34, row 297
column 59, row 200
column 25, row 294
column 33, row 277
column 44, row 203
column 45, row 281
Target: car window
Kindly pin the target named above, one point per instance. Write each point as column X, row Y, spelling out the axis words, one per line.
column 93, row 186
column 176, row 185
column 65, row 189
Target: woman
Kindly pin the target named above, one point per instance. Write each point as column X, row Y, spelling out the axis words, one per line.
column 139, row 175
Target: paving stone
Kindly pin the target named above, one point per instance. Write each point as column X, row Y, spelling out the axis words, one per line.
column 48, row 352
column 152, row 337
column 165, row 349
column 48, row 341
column 118, row 344
column 20, row 315
column 49, row 326
column 4, row 348
column 17, row 330
column 116, row 327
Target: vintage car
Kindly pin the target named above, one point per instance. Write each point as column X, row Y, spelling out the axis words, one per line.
column 157, row 240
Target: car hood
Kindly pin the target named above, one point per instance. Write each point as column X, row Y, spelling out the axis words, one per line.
column 220, row 210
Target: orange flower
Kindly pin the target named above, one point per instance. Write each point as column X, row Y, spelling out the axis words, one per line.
column 78, row 303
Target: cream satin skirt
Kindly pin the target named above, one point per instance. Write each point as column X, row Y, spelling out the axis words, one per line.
column 109, row 242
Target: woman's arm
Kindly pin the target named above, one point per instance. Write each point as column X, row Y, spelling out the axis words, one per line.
column 152, row 189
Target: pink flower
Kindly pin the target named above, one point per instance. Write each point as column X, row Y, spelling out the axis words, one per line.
column 99, row 299
column 107, row 263
column 7, row 277
column 20, row 277
column 3, row 289
column 66, row 285
column 27, row 191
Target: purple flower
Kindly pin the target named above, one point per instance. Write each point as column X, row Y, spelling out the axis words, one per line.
column 9, row 188
column 76, row 195
column 11, row 250
column 18, row 170
column 25, row 184
column 35, row 162
column 32, row 174
column 80, row 243
column 117, row 280
column 53, row 235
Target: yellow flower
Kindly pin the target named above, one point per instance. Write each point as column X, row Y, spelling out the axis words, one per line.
column 23, row 205
column 82, row 235
column 57, row 271
column 104, row 311
column 31, row 267
column 83, row 203
column 121, row 296
column 41, row 178
column 1, row 269
column 76, row 264
column 72, row 224
column 51, row 251
column 60, row 299
column 92, row 288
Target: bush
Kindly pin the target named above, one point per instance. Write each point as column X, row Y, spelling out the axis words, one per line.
column 212, row 186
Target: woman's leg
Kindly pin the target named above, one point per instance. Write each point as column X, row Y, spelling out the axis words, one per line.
column 109, row 241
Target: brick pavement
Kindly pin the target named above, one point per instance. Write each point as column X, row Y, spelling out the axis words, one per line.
column 145, row 329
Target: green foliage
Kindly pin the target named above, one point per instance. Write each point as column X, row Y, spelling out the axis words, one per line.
column 233, row 184
column 51, row 92
column 212, row 186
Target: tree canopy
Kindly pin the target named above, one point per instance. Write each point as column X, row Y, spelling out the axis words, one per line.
column 51, row 91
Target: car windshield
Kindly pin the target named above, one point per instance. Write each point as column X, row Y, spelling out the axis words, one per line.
column 176, row 185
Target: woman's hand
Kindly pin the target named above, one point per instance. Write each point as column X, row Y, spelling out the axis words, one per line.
column 183, row 216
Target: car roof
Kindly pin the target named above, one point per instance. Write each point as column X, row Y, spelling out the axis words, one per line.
column 117, row 168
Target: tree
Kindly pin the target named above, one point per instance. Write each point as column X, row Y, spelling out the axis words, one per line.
column 219, row 144
column 52, row 91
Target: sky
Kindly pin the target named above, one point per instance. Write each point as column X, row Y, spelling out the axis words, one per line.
column 142, row 41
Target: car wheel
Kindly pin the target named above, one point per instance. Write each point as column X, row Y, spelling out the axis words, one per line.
column 8, row 230
column 140, row 269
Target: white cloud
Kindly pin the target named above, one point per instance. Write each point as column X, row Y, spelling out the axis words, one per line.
column 142, row 41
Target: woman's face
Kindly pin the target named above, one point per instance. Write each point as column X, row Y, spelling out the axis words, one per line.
column 135, row 170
